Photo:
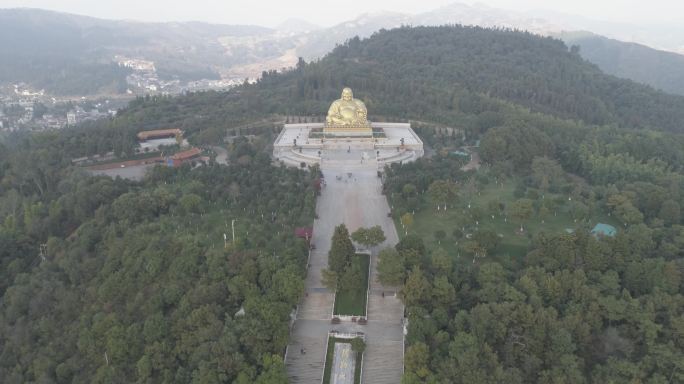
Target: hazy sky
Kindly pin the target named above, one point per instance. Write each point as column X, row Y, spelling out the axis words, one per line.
column 327, row 12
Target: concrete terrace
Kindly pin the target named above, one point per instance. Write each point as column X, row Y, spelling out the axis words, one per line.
column 399, row 144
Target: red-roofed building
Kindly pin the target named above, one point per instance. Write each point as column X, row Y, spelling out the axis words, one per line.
column 159, row 134
column 182, row 157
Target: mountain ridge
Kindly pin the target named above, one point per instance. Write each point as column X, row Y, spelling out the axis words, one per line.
column 196, row 50
column 660, row 69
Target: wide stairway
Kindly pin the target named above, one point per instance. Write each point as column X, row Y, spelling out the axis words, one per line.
column 352, row 195
column 317, row 306
column 387, row 309
column 306, row 368
column 383, row 363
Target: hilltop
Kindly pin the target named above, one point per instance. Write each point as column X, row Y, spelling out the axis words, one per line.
column 456, row 74
column 466, row 77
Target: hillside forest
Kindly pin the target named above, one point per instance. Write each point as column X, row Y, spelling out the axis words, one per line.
column 108, row 281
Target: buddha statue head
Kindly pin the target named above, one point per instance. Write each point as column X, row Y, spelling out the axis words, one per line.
column 347, row 94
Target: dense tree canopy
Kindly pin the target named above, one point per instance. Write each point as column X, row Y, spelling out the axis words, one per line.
column 134, row 284
column 577, row 308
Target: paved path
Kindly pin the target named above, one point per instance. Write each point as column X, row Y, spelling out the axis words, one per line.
column 221, row 155
column 352, row 196
column 132, row 172
column 474, row 163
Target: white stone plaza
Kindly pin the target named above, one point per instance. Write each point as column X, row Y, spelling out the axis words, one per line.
column 306, row 143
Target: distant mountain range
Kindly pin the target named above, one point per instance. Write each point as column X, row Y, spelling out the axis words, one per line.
column 660, row 69
column 56, row 50
column 70, row 54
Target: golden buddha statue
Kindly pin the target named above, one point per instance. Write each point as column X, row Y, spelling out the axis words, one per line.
column 347, row 112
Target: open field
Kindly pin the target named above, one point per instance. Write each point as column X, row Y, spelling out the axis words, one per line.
column 354, row 302
column 513, row 244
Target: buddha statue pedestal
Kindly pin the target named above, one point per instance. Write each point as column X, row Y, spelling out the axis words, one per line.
column 347, row 131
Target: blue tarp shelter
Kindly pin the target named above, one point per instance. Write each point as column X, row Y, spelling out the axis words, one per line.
column 602, row 229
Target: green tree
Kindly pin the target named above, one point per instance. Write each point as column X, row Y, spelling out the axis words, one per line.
column 623, row 207
column 546, row 173
column 487, row 240
column 273, row 371
column 190, row 203
column 578, row 210
column 670, row 212
column 409, row 190
column 369, row 237
column 629, row 214
column 391, row 269
column 288, row 284
column 440, row 235
column 417, row 359
column 329, row 279
column 521, row 210
column 406, row 221
column 442, row 192
column 358, row 345
column 441, row 262
column 341, row 250
column 474, row 248
column 493, row 207
column 443, row 292
column 416, row 290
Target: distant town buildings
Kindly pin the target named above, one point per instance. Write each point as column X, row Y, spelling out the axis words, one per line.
column 24, row 90
column 144, row 80
column 25, row 108
column 138, row 65
column 79, row 115
column 22, row 115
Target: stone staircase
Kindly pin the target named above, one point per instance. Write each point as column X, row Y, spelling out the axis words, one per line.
column 387, row 309
column 404, row 156
column 306, row 368
column 383, row 363
column 316, row 306
column 356, row 202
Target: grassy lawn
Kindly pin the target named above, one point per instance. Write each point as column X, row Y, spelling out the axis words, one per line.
column 354, row 302
column 513, row 245
column 327, row 372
